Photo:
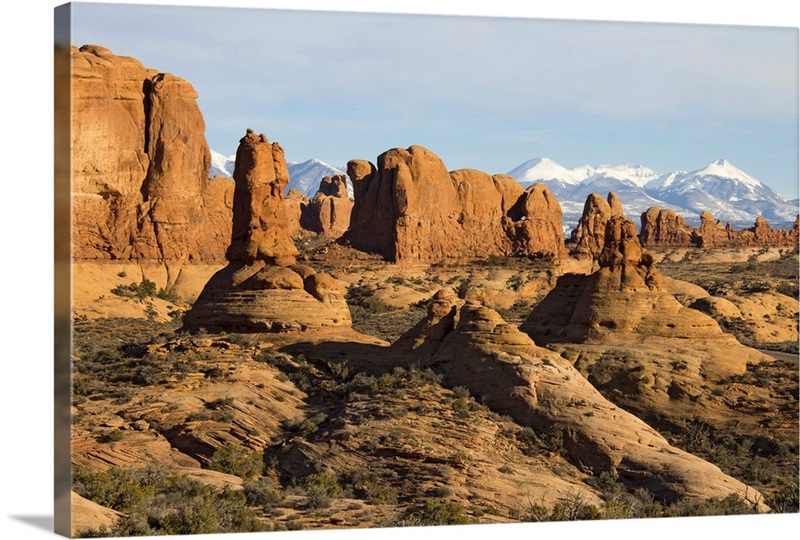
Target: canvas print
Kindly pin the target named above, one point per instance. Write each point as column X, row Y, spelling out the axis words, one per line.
column 334, row 270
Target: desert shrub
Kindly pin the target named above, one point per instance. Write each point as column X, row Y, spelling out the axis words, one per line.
column 363, row 297
column 372, row 488
column 326, row 481
column 112, row 435
column 463, row 287
column 262, row 493
column 555, row 440
column 185, row 506
column 236, row 460
column 218, row 403
column 786, row 499
column 436, row 512
column 733, row 504
column 142, row 290
column 379, row 493
column 362, row 384
column 305, row 426
column 320, row 489
column 529, row 443
column 494, row 260
column 115, row 488
column 515, row 282
column 168, row 295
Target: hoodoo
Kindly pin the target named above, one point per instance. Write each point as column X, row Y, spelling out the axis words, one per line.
column 262, row 289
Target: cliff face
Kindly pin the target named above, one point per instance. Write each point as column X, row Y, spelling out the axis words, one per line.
column 140, row 165
column 664, row 228
column 410, row 208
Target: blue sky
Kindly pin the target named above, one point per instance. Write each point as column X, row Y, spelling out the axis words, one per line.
column 485, row 93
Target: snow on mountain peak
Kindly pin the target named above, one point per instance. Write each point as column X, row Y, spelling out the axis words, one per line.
column 221, row 165
column 541, row 169
column 726, row 170
column 637, row 174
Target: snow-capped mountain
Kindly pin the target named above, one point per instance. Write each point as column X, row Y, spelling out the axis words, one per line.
column 545, row 170
column 304, row 176
column 629, row 174
column 721, row 188
column 221, row 165
column 726, row 191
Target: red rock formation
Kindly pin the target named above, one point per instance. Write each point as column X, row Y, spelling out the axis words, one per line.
column 473, row 347
column 140, row 165
column 589, row 235
column 260, row 222
column 328, row 213
column 295, row 203
column 410, row 208
column 664, row 228
column 539, row 230
column 261, row 289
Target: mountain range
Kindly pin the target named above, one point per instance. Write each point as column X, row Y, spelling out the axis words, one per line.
column 304, row 176
column 726, row 191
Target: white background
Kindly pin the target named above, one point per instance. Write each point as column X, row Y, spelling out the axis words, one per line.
column 26, row 289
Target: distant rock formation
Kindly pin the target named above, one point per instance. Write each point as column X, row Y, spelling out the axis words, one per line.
column 410, row 208
column 295, row 203
column 140, row 165
column 328, row 212
column 473, row 347
column 262, row 289
column 589, row 236
column 664, row 228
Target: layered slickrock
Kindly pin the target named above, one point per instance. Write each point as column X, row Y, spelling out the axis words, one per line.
column 261, row 289
column 634, row 340
column 473, row 347
column 328, row 212
column 140, row 165
column 410, row 208
column 663, row 228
